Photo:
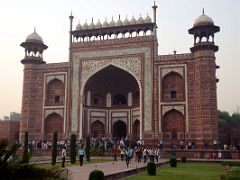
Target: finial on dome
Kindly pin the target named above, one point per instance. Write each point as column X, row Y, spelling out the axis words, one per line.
column 174, row 51
column 119, row 16
column 34, row 29
column 203, row 11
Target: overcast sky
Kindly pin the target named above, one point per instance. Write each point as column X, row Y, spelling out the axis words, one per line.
column 174, row 17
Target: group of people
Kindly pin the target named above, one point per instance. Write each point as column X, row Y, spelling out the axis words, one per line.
column 81, row 155
column 138, row 153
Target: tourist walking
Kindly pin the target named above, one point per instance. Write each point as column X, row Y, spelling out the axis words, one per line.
column 128, row 155
column 115, row 151
column 81, row 154
column 64, row 154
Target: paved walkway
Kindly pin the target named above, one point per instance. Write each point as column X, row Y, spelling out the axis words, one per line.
column 77, row 172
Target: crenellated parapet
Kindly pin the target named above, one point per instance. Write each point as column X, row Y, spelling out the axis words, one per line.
column 113, row 29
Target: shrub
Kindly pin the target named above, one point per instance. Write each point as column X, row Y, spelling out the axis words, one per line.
column 12, row 168
column 54, row 148
column 183, row 159
column 233, row 173
column 231, row 163
column 73, row 151
column 96, row 175
column 151, row 168
column 173, row 161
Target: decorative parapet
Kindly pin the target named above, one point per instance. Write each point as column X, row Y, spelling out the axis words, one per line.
column 175, row 57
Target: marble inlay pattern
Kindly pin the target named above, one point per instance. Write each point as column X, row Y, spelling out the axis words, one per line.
column 59, row 77
column 50, row 111
column 179, row 108
column 86, row 64
column 167, row 70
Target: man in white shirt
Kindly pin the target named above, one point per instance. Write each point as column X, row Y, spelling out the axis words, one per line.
column 64, row 154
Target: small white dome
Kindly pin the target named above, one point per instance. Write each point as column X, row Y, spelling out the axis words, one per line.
column 119, row 23
column 105, row 23
column 112, row 23
column 133, row 20
column 148, row 19
column 140, row 20
column 79, row 26
column 203, row 20
column 126, row 21
column 85, row 26
column 99, row 24
column 34, row 37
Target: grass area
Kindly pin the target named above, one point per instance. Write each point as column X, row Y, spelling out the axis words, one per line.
column 184, row 171
column 49, row 165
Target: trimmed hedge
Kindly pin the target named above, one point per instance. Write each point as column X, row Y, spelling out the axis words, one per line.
column 96, row 175
column 151, row 168
column 183, row 159
column 231, row 163
column 73, row 150
column 173, row 161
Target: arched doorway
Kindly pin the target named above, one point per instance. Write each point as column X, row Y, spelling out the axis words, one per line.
column 119, row 129
column 107, row 91
column 53, row 123
column 98, row 129
column 173, row 125
column 136, row 129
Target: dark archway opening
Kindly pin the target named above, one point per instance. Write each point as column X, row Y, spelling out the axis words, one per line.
column 119, row 129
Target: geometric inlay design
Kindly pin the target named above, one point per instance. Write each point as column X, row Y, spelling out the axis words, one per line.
column 167, row 70
column 167, row 108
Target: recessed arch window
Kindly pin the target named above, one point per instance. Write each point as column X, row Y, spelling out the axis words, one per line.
column 119, row 99
column 173, row 87
column 97, row 99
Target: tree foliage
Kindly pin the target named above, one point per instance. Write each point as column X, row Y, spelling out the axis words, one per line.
column 25, row 158
column 226, row 119
column 54, row 148
column 11, row 167
column 73, row 151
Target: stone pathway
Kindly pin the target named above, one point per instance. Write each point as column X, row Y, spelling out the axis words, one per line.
column 112, row 167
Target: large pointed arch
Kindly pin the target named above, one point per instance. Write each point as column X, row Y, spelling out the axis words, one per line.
column 85, row 86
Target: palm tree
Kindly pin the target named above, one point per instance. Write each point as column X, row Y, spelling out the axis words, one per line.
column 11, row 166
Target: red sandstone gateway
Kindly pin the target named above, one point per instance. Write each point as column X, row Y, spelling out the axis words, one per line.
column 116, row 84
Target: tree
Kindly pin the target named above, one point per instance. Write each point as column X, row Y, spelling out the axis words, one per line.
column 88, row 148
column 15, row 116
column 12, row 168
column 5, row 118
column 54, row 148
column 73, row 151
column 25, row 158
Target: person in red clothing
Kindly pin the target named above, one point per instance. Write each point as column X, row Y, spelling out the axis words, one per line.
column 115, row 152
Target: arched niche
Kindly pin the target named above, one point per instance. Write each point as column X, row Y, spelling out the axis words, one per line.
column 173, row 125
column 55, row 93
column 53, row 123
column 97, row 129
column 173, row 87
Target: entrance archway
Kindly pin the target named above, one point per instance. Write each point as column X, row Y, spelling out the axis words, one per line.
column 136, row 129
column 53, row 123
column 119, row 129
column 98, row 129
column 173, row 125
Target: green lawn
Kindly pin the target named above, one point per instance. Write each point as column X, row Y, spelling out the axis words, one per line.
column 49, row 165
column 184, row 171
